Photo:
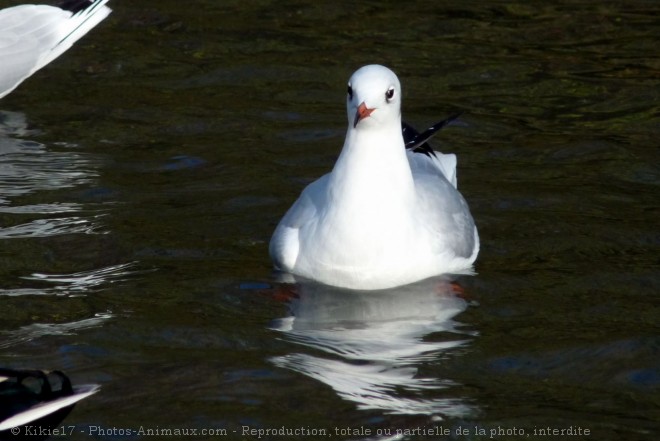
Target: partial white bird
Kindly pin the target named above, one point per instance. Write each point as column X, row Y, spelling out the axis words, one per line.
column 31, row 36
column 386, row 215
column 36, row 399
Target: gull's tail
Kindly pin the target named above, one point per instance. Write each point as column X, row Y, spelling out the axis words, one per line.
column 85, row 14
column 31, row 36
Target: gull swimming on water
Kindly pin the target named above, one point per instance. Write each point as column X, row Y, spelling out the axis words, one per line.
column 31, row 36
column 389, row 213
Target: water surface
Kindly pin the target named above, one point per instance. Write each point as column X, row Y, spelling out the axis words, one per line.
column 142, row 174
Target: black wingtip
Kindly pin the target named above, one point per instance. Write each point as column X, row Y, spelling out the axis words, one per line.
column 26, row 389
column 75, row 6
column 409, row 137
column 417, row 142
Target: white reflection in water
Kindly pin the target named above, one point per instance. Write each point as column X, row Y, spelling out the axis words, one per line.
column 376, row 342
column 34, row 178
column 74, row 284
column 71, row 285
column 49, row 227
column 36, row 330
column 28, row 167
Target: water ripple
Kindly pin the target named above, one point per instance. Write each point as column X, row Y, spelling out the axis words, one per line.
column 75, row 284
column 50, row 227
column 37, row 330
column 29, row 169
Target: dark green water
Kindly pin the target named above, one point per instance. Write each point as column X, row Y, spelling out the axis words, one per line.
column 142, row 174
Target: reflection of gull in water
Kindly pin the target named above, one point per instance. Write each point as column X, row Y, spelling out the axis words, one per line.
column 28, row 167
column 14, row 123
column 36, row 183
column 377, row 340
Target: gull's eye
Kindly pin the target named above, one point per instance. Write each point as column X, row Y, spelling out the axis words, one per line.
column 389, row 94
column 350, row 92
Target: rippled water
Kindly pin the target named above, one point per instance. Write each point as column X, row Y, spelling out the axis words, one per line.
column 142, row 174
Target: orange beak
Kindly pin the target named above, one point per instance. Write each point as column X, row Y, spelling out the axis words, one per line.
column 362, row 112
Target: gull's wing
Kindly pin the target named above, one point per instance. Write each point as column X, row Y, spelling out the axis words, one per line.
column 285, row 243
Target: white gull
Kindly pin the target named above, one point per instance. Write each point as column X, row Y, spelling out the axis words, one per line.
column 386, row 215
column 31, row 36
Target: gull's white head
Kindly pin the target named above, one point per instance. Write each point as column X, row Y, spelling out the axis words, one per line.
column 373, row 98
